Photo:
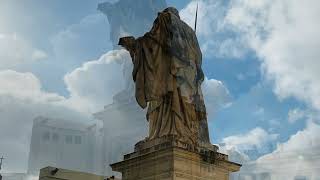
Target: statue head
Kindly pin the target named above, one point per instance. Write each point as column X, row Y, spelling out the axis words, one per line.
column 172, row 10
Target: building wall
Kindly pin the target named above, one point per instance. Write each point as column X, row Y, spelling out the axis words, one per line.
column 54, row 144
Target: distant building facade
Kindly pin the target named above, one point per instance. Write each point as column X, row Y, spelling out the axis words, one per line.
column 65, row 144
column 14, row 176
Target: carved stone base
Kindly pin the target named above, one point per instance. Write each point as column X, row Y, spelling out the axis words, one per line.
column 171, row 162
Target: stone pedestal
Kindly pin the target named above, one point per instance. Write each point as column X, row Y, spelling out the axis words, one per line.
column 175, row 161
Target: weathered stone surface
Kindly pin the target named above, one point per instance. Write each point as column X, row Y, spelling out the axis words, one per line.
column 175, row 163
column 168, row 76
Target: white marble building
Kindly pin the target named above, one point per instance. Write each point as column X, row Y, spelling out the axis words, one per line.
column 65, row 144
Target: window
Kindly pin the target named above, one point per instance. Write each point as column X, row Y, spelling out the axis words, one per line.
column 69, row 139
column 46, row 136
column 77, row 140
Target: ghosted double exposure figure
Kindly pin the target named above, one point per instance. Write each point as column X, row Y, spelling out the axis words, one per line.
column 168, row 76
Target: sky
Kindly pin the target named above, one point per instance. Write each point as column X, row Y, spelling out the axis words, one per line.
column 260, row 58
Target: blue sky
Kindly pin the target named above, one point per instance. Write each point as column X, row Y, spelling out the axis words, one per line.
column 260, row 71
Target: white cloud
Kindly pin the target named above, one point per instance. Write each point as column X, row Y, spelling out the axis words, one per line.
column 296, row 114
column 21, row 100
column 215, row 38
column 235, row 155
column 15, row 51
column 22, row 97
column 24, row 86
column 255, row 139
column 298, row 156
column 242, row 148
column 285, row 36
column 216, row 95
column 208, row 20
column 93, row 85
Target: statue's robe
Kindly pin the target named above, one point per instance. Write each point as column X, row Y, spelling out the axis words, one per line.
column 168, row 76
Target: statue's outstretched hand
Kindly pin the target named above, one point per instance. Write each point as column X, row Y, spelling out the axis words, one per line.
column 129, row 44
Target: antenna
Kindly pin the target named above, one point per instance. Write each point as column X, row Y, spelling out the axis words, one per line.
column 196, row 20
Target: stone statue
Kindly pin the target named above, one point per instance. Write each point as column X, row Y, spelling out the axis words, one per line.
column 167, row 73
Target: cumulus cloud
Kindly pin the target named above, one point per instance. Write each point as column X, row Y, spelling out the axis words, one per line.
column 296, row 114
column 297, row 157
column 15, row 51
column 216, row 95
column 24, row 86
column 216, row 39
column 243, row 148
column 255, row 139
column 21, row 100
column 22, row 97
column 93, row 85
column 285, row 36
